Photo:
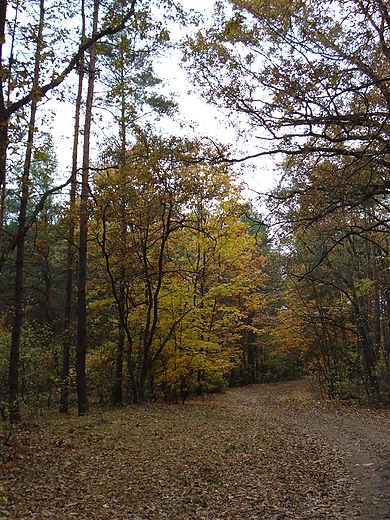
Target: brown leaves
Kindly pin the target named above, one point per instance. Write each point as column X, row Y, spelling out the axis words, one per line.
column 252, row 453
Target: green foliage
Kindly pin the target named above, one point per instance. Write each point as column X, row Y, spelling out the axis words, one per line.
column 100, row 371
column 39, row 365
column 5, row 342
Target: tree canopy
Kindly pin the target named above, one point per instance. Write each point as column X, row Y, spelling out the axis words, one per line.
column 183, row 286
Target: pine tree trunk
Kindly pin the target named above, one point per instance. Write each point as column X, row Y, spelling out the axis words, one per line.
column 117, row 391
column 2, row 209
column 82, row 279
column 4, row 117
column 18, row 316
column 19, row 267
column 64, row 402
column 47, row 274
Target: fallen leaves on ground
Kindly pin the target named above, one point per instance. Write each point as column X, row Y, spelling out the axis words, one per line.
column 262, row 452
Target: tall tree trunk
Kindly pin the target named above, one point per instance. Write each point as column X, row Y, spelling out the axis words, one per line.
column 2, row 209
column 64, row 402
column 19, row 267
column 363, row 333
column 117, row 391
column 81, row 303
column 4, row 116
column 47, row 274
column 4, row 138
column 377, row 321
column 201, row 371
column 4, row 120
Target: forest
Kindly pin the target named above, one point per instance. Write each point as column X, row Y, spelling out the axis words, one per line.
column 144, row 273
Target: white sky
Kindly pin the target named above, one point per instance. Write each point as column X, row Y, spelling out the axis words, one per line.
column 199, row 118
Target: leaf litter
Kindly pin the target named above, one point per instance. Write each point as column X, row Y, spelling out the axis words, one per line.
column 260, row 452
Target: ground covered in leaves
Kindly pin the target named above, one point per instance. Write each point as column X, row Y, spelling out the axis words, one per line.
column 261, row 452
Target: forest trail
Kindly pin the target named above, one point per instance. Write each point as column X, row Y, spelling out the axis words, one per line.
column 357, row 440
column 260, row 452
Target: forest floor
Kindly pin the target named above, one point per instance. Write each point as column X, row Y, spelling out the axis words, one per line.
column 260, row 452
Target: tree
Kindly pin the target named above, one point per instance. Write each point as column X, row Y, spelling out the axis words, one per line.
column 19, row 268
column 82, row 278
column 130, row 80
column 311, row 83
column 22, row 93
column 71, row 234
column 156, row 196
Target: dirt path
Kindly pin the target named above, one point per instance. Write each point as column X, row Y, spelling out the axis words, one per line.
column 262, row 452
column 358, row 438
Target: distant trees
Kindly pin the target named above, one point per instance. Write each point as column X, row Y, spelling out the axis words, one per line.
column 41, row 281
column 312, row 79
column 337, row 301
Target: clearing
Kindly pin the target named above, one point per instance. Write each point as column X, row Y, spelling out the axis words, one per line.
column 260, row 452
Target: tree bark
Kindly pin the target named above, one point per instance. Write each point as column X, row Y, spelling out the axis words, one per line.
column 81, row 303
column 2, row 209
column 117, row 391
column 4, row 117
column 64, row 402
column 4, row 126
column 14, row 410
column 2, row 173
